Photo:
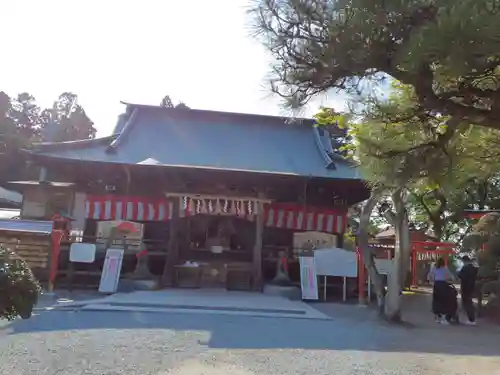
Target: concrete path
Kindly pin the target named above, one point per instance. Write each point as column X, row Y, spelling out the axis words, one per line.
column 136, row 343
column 198, row 301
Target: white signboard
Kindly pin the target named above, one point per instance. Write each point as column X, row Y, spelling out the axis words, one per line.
column 336, row 262
column 384, row 266
column 82, row 252
column 308, row 279
column 111, row 270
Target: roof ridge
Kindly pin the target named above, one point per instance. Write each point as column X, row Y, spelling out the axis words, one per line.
column 330, row 164
column 125, row 130
column 46, row 146
column 151, row 106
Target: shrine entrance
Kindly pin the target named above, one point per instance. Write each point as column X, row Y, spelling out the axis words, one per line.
column 216, row 241
column 423, row 254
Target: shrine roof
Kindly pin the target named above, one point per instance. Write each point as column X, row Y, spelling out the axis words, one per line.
column 191, row 138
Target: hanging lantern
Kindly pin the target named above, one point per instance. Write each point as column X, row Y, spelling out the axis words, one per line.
column 249, row 208
column 238, row 207
column 185, row 202
column 210, row 206
column 226, row 204
column 198, row 206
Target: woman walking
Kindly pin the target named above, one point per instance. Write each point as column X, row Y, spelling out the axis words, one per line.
column 440, row 275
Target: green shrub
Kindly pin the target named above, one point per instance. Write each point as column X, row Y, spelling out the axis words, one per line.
column 19, row 290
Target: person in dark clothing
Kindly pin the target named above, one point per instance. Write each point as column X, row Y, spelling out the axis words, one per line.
column 467, row 276
column 441, row 276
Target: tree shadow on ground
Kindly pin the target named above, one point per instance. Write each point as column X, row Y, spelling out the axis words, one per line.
column 246, row 332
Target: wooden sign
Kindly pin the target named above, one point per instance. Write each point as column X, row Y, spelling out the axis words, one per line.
column 133, row 238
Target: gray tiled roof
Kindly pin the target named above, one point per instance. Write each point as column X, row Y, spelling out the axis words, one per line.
column 28, row 226
column 213, row 140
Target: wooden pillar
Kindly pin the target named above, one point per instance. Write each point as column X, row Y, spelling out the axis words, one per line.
column 340, row 239
column 171, row 258
column 257, row 250
column 362, row 300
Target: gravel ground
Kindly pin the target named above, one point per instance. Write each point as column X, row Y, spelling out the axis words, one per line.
column 98, row 343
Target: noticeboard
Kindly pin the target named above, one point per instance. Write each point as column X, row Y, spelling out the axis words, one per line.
column 308, row 279
column 336, row 262
column 111, row 270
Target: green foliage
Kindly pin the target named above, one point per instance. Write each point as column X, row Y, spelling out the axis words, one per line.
column 446, row 50
column 167, row 102
column 19, row 289
column 444, row 172
column 337, row 125
column 486, row 234
column 23, row 122
column 66, row 121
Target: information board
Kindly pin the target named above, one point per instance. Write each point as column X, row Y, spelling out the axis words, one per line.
column 384, row 266
column 111, row 270
column 336, row 262
column 80, row 252
column 308, row 279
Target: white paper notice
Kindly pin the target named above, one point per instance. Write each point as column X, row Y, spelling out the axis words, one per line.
column 308, row 278
column 111, row 270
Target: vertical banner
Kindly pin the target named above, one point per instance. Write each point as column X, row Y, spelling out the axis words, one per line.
column 308, row 278
column 111, row 271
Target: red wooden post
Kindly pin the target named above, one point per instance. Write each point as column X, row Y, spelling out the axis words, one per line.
column 56, row 238
column 361, row 278
column 437, row 249
column 414, row 257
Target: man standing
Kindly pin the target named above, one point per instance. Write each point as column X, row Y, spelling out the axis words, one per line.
column 468, row 275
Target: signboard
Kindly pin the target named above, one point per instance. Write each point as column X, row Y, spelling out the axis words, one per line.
column 133, row 239
column 33, row 204
column 336, row 262
column 82, row 252
column 111, row 270
column 384, row 266
column 308, row 278
column 313, row 240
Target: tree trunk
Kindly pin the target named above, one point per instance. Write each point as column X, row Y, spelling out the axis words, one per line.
column 168, row 277
column 405, row 244
column 363, row 244
column 401, row 257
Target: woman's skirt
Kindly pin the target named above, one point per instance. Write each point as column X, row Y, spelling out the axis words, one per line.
column 442, row 299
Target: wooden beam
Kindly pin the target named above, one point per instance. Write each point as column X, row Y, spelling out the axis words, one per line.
column 172, row 256
column 257, row 249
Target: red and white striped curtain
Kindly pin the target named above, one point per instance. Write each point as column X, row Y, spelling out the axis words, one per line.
column 293, row 216
column 114, row 207
column 277, row 215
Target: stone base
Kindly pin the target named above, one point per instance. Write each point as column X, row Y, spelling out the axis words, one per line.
column 290, row 292
column 129, row 285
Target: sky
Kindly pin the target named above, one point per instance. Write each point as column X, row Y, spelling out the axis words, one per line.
column 199, row 52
